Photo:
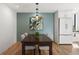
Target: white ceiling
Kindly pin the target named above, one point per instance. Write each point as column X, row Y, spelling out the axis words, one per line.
column 43, row 7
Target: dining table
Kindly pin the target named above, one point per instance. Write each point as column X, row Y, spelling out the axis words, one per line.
column 30, row 40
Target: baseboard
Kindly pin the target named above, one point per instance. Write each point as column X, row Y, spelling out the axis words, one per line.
column 55, row 42
column 65, row 44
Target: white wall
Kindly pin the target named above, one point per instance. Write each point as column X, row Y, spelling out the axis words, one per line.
column 7, row 27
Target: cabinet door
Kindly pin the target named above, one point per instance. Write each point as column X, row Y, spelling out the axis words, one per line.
column 66, row 39
column 66, row 26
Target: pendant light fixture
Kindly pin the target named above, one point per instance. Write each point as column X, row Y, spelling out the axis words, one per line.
column 37, row 16
column 36, row 20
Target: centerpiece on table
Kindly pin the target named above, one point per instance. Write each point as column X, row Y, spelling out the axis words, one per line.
column 37, row 34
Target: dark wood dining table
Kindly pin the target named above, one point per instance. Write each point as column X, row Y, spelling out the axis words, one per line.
column 43, row 41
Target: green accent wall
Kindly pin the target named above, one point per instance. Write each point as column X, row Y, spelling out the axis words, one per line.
column 23, row 24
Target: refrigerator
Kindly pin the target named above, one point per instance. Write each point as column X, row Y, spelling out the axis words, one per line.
column 65, row 30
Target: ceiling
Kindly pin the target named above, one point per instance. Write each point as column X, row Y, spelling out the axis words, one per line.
column 43, row 7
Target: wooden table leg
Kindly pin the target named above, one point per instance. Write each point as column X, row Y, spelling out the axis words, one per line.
column 50, row 49
column 23, row 49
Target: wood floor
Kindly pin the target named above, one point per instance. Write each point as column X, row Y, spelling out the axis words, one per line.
column 57, row 50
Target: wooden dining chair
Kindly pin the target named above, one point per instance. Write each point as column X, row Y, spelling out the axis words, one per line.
column 26, row 34
column 27, row 47
column 46, row 48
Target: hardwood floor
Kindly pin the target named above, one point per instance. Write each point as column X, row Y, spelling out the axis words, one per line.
column 57, row 50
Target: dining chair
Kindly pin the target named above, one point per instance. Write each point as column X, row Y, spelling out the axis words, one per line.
column 26, row 34
column 27, row 47
column 46, row 48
